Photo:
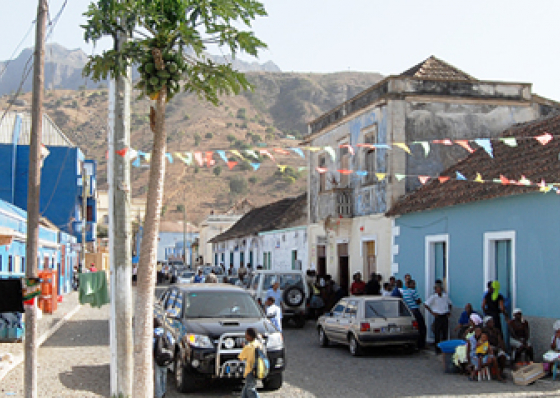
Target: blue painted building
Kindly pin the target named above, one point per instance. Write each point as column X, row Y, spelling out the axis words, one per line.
column 467, row 233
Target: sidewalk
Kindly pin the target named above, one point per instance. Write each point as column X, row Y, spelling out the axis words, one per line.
column 68, row 305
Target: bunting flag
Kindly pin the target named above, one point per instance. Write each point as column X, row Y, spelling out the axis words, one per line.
column 198, row 158
column 300, row 169
column 222, row 154
column 425, row 146
column 382, row 146
column 345, row 172
column 169, row 157
column 298, row 151
column 368, row 146
column 132, row 154
column 210, row 159
column 509, row 141
column 182, row 158
column 237, row 153
column 350, row 148
column 148, row 157
column 265, row 152
column 460, row 176
column 331, row 152
column 380, row 176
column 141, row 154
column 486, row 144
column 446, row 141
column 542, row 184
column 122, row 152
column 399, row 177
column 231, row 164
column 321, row 170
column 524, row 181
column 478, row 178
column 403, row 146
column 252, row 153
column 282, row 167
column 136, row 162
column 546, row 189
column 281, row 151
column 361, row 173
column 544, row 139
column 465, row 144
column 255, row 166
column 443, row 179
column 312, row 148
column 504, row 180
column 423, row 179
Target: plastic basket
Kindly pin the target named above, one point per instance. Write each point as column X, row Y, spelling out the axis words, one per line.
column 449, row 346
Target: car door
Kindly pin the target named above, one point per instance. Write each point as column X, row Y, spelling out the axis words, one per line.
column 332, row 322
column 174, row 324
column 348, row 320
column 159, row 305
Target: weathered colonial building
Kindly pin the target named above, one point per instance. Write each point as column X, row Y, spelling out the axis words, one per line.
column 431, row 101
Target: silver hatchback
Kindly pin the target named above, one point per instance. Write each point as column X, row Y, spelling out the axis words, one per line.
column 369, row 321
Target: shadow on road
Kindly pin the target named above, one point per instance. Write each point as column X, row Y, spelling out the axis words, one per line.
column 87, row 378
column 74, row 332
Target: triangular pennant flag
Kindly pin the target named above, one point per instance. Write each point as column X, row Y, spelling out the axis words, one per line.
column 321, row 170
column 281, row 151
column 266, row 153
column 198, row 158
column 132, row 153
column 222, row 155
column 300, row 169
column 345, row 172
column 148, row 157
column 210, row 159
column 460, row 176
column 231, row 164
column 382, row 146
column 122, row 152
column 282, row 167
column 443, row 179
column 443, row 142
column 380, row 176
column 179, row 156
column 423, row 179
column 426, row 146
column 399, row 177
column 331, row 152
column 252, row 153
column 546, row 189
column 486, row 144
column 361, row 173
column 136, row 162
column 464, row 144
column 312, row 148
column 169, row 157
column 496, row 181
column 188, row 158
column 403, row 146
column 141, row 154
column 299, row 152
column 504, row 180
column 255, row 166
column 542, row 184
column 368, row 146
column 544, row 139
column 509, row 141
column 237, row 153
column 350, row 148
column 478, row 178
column 524, row 181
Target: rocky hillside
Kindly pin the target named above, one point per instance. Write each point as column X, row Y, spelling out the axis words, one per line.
column 273, row 114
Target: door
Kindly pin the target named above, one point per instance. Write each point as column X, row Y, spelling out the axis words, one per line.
column 332, row 323
column 436, row 269
column 344, row 266
column 231, row 259
column 504, row 275
column 294, row 259
column 321, row 260
column 241, row 259
column 370, row 261
column 251, row 259
column 348, row 320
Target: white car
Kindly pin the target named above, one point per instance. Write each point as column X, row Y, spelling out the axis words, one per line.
column 185, row 277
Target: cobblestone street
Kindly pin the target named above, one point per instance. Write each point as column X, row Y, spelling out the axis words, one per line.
column 74, row 362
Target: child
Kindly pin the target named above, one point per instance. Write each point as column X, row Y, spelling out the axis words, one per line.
column 482, row 350
column 248, row 356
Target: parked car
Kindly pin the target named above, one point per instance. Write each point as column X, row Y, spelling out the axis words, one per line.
column 293, row 288
column 185, row 276
column 207, row 323
column 369, row 321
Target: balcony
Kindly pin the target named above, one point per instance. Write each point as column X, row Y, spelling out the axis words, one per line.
column 91, row 231
column 338, row 203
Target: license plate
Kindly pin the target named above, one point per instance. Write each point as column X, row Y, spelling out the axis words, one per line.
column 391, row 330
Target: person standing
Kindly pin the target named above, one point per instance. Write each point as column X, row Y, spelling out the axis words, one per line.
column 358, row 287
column 273, row 313
column 373, row 287
column 162, row 358
column 493, row 305
column 198, row 278
column 439, row 306
column 398, row 290
column 247, row 355
column 275, row 292
column 413, row 301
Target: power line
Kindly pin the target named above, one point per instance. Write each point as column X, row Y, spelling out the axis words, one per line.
column 17, row 48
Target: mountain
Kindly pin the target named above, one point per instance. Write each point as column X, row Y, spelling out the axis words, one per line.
column 63, row 69
column 272, row 115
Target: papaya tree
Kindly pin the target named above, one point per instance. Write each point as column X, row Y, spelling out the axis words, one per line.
column 167, row 40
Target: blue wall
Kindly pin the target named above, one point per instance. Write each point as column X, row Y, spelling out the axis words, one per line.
column 535, row 218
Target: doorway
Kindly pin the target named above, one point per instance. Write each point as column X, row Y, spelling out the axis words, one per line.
column 343, row 266
column 436, row 268
column 321, row 260
column 370, row 260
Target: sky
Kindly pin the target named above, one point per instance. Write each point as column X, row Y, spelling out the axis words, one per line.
column 513, row 40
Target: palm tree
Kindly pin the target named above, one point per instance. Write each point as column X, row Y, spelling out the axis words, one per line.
column 167, row 38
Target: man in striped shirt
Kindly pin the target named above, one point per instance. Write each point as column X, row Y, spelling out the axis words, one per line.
column 413, row 301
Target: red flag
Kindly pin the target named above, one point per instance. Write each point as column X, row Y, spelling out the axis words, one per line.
column 443, row 179
column 544, row 139
column 122, row 152
column 281, row 151
column 423, row 179
column 350, row 149
column 464, row 144
column 504, row 180
column 231, row 164
column 209, row 161
column 345, row 172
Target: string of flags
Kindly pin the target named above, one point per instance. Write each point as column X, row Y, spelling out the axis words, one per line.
column 232, row 157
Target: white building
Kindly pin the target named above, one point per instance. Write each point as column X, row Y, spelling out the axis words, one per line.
column 273, row 236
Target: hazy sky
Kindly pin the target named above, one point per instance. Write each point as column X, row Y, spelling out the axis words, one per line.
column 513, row 40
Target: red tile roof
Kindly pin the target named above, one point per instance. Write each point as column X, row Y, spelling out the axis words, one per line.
column 530, row 159
column 435, row 68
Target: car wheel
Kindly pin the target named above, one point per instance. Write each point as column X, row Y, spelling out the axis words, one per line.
column 323, row 339
column 294, row 296
column 354, row 347
column 299, row 321
column 183, row 379
column 273, row 382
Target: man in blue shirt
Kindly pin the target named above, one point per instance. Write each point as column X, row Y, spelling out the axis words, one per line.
column 198, row 277
column 275, row 293
column 413, row 301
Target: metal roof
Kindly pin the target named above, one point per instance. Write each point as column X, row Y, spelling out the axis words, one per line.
column 52, row 135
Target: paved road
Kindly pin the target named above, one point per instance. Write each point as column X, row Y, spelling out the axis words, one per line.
column 75, row 363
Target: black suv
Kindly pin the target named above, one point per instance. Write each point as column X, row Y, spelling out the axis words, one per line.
column 207, row 323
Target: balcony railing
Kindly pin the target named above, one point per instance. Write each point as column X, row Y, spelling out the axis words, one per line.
column 338, row 203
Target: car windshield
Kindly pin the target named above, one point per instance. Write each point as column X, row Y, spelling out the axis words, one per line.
column 286, row 280
column 187, row 274
column 221, row 305
column 386, row 309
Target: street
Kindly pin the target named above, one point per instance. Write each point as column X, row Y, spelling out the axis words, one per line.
column 74, row 362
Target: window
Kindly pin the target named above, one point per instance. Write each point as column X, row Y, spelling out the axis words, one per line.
column 10, row 264
column 386, row 309
column 322, row 176
column 163, row 298
column 369, row 158
column 351, row 309
column 171, row 299
column 106, row 219
column 344, row 159
column 294, row 260
column 339, row 309
column 267, row 260
column 178, row 304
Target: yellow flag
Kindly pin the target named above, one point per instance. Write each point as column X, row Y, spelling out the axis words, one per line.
column 312, row 148
column 403, row 146
column 237, row 153
column 380, row 176
column 282, row 167
column 148, row 156
column 478, row 178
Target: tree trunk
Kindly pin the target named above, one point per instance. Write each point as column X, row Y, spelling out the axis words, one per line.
column 144, row 317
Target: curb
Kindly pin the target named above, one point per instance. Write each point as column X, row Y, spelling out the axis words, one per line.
column 19, row 359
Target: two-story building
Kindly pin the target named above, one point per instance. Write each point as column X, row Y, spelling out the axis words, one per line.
column 431, row 101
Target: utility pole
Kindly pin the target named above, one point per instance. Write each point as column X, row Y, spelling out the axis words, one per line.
column 185, row 231
column 84, row 216
column 33, row 192
column 120, row 234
